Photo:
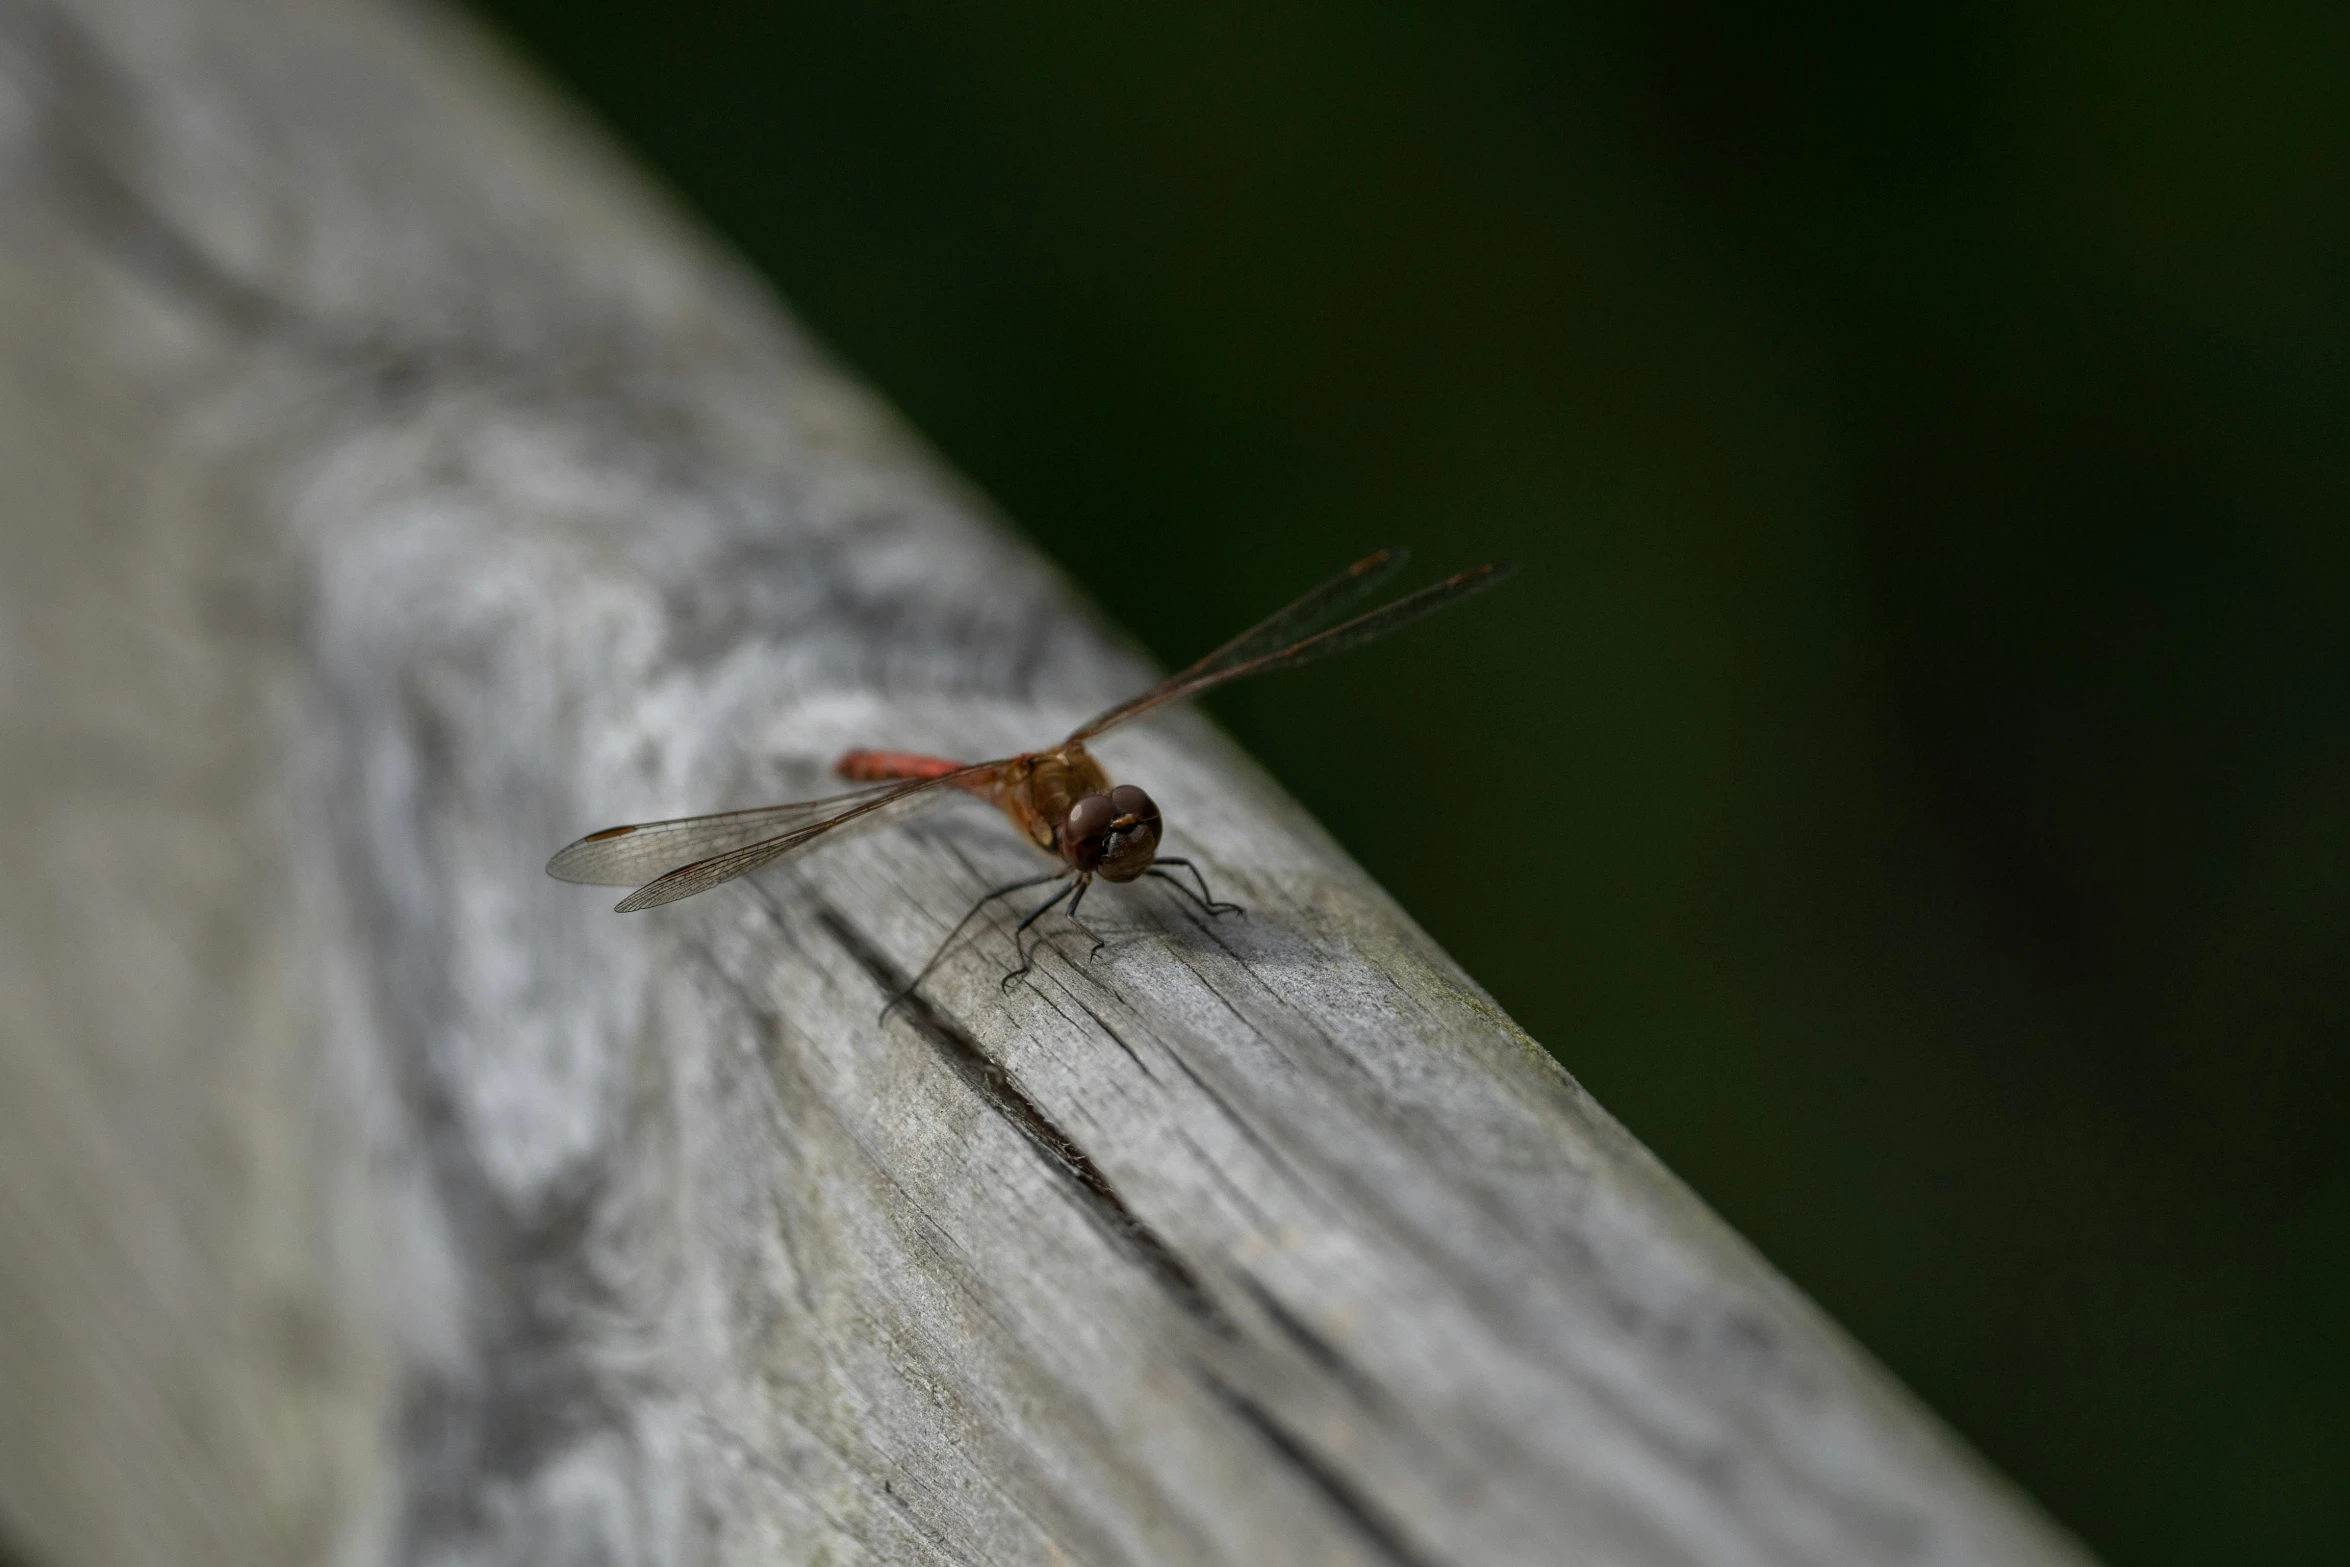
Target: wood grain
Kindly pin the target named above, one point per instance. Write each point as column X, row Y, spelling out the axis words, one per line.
column 394, row 489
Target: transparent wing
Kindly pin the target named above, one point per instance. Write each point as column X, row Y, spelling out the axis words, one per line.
column 631, row 856
column 1310, row 613
column 1338, row 639
column 1282, row 627
column 882, row 808
column 734, row 843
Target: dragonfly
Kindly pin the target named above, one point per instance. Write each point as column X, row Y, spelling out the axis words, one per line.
column 1060, row 799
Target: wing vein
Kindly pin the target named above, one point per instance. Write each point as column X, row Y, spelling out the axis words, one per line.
column 1182, row 687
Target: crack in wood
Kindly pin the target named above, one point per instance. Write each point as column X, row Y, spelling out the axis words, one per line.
column 1324, row 1354
column 996, row 1087
column 1274, row 1158
column 936, row 1237
column 1344, row 1497
column 1115, row 1038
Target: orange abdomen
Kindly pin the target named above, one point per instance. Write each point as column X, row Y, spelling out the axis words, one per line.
column 882, row 766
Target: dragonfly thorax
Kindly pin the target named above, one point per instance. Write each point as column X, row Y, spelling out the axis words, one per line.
column 1064, row 802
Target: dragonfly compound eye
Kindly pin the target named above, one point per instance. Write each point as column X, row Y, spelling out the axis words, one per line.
column 1128, row 852
column 1134, row 835
column 1130, row 801
column 1086, row 832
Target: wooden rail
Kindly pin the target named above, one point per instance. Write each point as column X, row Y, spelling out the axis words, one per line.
column 391, row 489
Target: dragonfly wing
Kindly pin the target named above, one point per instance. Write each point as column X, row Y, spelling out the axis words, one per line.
column 1284, row 626
column 1310, row 613
column 875, row 808
column 631, row 856
column 1338, row 639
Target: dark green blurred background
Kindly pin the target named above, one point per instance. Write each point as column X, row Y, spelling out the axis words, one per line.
column 1908, row 784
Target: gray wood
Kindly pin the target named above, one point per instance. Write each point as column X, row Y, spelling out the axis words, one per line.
column 393, row 489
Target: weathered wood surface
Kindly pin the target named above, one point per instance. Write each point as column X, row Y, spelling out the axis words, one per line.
column 392, row 490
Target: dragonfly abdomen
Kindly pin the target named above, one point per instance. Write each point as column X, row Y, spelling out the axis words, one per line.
column 884, row 766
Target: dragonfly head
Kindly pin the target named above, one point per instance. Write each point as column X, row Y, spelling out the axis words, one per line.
column 1114, row 835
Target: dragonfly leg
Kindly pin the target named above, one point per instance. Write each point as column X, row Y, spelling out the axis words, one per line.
column 969, row 915
column 1098, row 943
column 1020, row 932
column 1204, row 898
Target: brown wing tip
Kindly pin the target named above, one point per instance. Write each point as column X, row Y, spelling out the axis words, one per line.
column 559, row 865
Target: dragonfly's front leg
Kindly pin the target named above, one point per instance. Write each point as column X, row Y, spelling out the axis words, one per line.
column 969, row 915
column 1204, row 898
column 1082, row 883
column 1020, row 932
